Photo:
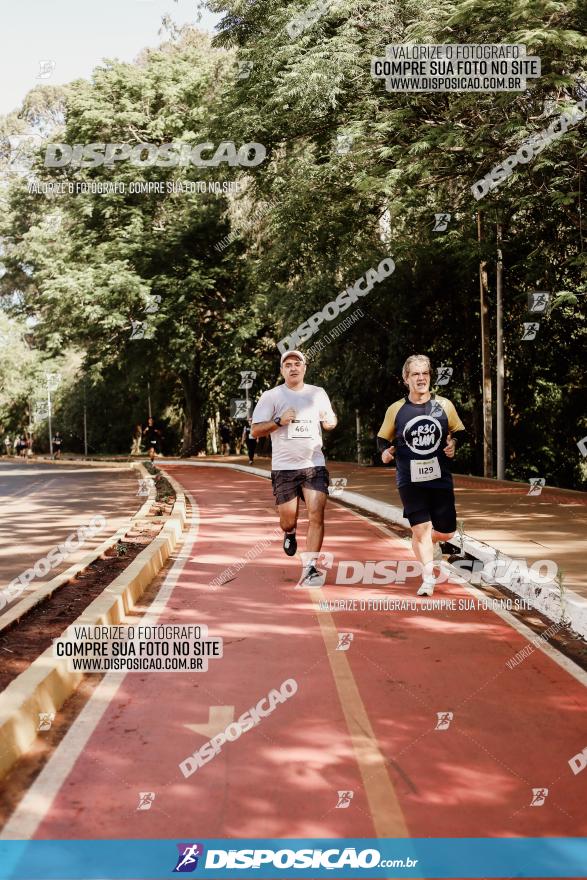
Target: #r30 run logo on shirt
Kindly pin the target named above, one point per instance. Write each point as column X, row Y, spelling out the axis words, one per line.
column 423, row 434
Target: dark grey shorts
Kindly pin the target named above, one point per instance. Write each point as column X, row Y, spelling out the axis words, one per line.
column 289, row 484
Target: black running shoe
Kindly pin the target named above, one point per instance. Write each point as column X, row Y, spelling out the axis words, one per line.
column 290, row 545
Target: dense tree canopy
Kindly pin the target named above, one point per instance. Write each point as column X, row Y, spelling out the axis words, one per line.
column 353, row 174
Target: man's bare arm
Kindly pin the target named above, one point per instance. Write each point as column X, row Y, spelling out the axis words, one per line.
column 263, row 429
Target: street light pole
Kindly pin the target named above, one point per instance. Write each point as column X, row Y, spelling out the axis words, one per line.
column 31, row 423
column 49, row 414
column 85, row 423
column 500, row 358
column 57, row 378
column 485, row 358
column 49, row 419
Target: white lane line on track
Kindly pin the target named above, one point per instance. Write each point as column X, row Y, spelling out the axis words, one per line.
column 36, row 803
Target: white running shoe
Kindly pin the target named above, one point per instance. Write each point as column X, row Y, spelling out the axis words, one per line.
column 427, row 588
column 311, row 577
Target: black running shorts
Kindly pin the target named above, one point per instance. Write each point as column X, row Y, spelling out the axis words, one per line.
column 424, row 504
column 289, row 484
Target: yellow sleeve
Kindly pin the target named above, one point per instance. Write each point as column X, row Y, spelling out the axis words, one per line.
column 387, row 429
column 454, row 422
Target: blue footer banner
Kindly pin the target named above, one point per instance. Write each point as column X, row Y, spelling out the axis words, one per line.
column 271, row 858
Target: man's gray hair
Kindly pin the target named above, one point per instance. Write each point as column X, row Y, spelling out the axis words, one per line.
column 410, row 361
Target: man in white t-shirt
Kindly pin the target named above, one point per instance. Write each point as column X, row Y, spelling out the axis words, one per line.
column 294, row 414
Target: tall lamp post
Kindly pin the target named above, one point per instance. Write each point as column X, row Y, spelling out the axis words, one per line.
column 500, row 358
column 53, row 380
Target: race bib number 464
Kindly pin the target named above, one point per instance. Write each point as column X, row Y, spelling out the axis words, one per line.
column 424, row 469
column 302, row 429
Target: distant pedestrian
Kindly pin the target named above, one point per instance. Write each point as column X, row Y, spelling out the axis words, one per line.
column 225, row 438
column 8, row 444
column 152, row 437
column 136, row 440
column 57, row 445
column 251, row 442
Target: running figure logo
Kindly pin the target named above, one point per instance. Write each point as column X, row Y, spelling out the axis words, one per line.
column 187, row 861
column 46, row 68
column 41, row 410
column 247, row 379
column 344, row 799
column 441, row 222
column 240, row 409
column 539, row 795
column 344, row 143
column 141, row 331
column 344, row 641
column 244, row 69
column 537, row 484
column 152, row 307
column 443, row 374
column 146, row 485
column 337, row 485
column 538, row 301
column 22, row 151
column 444, row 719
column 46, row 719
column 530, row 330
column 146, row 799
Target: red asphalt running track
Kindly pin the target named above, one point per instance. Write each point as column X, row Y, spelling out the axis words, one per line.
column 362, row 720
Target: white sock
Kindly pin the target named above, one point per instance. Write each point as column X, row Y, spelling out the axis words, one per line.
column 428, row 573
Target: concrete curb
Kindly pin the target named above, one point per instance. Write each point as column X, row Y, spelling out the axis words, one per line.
column 47, row 683
column 33, row 597
column 544, row 597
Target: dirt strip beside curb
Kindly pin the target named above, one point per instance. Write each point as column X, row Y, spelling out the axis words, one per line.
column 47, row 683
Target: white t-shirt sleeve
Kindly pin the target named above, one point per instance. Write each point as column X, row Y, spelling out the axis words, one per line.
column 265, row 409
column 324, row 405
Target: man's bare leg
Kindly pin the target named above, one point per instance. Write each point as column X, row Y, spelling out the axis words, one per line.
column 316, row 504
column 423, row 539
column 288, row 514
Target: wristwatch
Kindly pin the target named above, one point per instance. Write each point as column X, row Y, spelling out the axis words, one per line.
column 277, row 421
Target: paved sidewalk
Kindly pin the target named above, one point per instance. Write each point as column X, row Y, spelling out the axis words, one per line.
column 552, row 525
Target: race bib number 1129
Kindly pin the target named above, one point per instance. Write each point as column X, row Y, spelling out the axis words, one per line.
column 423, row 470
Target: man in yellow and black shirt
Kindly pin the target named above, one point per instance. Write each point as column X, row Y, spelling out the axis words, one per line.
column 418, row 430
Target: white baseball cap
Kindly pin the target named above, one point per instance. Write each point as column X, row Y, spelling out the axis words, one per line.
column 293, row 353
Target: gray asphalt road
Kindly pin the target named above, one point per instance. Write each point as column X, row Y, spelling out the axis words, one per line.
column 41, row 504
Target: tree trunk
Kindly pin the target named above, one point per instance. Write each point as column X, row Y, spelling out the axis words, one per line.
column 485, row 361
column 195, row 422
